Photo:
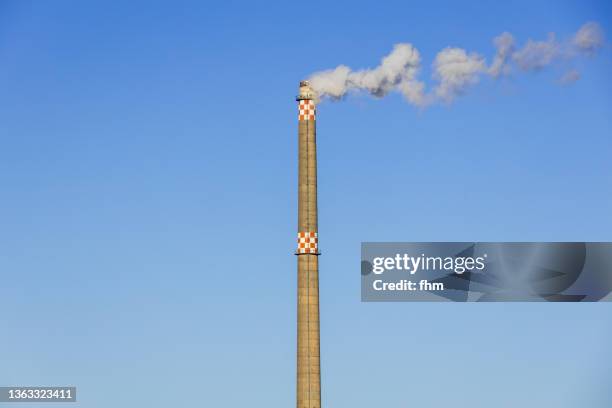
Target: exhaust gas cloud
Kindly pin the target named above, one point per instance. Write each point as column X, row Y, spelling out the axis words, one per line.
column 454, row 70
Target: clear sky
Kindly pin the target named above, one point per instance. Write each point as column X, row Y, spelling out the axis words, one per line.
column 148, row 167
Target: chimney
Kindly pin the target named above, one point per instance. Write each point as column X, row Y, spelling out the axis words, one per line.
column 308, row 356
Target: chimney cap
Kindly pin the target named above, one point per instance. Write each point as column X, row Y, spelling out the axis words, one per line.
column 306, row 91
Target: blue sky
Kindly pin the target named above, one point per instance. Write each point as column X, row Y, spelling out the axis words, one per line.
column 147, row 218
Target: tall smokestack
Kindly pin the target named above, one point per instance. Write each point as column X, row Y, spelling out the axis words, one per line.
column 308, row 356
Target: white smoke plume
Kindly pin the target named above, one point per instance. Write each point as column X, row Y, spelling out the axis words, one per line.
column 536, row 55
column 396, row 71
column 505, row 48
column 589, row 39
column 569, row 77
column 454, row 70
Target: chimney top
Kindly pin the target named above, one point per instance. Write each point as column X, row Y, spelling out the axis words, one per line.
column 305, row 91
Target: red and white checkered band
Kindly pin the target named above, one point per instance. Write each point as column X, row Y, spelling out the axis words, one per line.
column 308, row 243
column 306, row 109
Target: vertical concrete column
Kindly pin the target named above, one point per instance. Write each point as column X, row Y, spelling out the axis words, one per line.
column 308, row 356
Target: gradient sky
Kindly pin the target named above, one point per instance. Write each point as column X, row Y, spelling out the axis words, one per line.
column 148, row 167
